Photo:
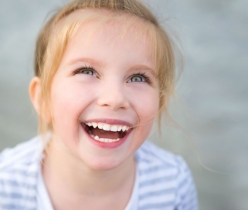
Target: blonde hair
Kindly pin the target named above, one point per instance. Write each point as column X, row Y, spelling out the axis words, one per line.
column 55, row 34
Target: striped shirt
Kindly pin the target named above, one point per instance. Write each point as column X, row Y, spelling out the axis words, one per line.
column 163, row 180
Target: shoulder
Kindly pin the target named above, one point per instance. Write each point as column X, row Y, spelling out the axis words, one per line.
column 21, row 155
column 151, row 155
column 164, row 179
column 19, row 168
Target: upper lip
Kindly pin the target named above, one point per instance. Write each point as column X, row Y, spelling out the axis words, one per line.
column 109, row 121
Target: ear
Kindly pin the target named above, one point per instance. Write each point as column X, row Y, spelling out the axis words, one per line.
column 35, row 93
column 35, row 96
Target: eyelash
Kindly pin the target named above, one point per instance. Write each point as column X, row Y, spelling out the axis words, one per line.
column 89, row 68
column 85, row 68
column 143, row 75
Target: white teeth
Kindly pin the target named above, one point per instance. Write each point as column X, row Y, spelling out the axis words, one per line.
column 104, row 139
column 96, row 138
column 106, row 127
column 94, row 124
column 100, row 125
column 114, row 128
column 108, row 140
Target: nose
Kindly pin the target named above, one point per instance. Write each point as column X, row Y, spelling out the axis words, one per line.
column 113, row 96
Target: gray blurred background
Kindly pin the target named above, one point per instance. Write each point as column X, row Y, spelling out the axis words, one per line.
column 209, row 112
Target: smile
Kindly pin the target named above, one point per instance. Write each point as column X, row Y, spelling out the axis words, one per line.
column 106, row 133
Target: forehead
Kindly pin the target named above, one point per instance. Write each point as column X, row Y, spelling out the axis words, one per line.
column 90, row 29
column 117, row 26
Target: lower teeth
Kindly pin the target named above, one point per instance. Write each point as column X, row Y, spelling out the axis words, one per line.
column 104, row 139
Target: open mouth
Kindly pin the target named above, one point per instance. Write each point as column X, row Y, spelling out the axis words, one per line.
column 107, row 133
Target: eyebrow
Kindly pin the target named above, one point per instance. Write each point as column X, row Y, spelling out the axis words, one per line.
column 88, row 60
column 144, row 67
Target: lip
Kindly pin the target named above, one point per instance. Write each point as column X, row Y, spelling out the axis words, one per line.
column 109, row 145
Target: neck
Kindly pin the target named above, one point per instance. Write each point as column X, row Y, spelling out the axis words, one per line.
column 62, row 170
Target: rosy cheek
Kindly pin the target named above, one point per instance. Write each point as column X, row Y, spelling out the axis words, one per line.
column 148, row 105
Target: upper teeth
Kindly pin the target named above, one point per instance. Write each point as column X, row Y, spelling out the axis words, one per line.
column 108, row 127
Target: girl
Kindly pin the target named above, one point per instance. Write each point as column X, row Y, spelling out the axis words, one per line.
column 104, row 71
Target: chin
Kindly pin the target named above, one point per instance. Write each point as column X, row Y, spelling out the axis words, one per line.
column 104, row 164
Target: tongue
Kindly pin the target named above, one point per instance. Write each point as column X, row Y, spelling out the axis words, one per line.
column 105, row 134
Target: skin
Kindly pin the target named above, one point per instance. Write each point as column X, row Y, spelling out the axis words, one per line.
column 108, row 87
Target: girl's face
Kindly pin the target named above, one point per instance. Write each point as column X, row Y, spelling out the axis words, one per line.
column 104, row 95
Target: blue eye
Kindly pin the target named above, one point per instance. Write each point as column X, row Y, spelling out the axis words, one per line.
column 137, row 78
column 87, row 71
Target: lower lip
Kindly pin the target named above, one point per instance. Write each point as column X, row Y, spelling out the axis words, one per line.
column 108, row 145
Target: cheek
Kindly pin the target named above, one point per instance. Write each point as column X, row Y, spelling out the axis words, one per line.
column 147, row 105
column 66, row 106
column 69, row 97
